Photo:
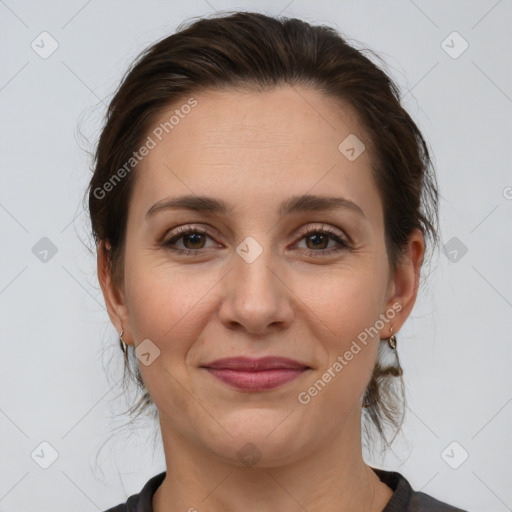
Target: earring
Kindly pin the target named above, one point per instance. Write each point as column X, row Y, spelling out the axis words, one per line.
column 392, row 340
column 124, row 346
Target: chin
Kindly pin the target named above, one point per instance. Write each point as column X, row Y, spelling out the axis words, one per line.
column 260, row 438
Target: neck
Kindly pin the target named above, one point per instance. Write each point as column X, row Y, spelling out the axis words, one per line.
column 331, row 478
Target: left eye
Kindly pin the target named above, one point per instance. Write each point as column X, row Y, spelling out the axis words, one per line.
column 319, row 237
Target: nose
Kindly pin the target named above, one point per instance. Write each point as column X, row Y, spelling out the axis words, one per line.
column 256, row 297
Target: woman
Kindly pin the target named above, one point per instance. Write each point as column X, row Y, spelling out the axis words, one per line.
column 261, row 205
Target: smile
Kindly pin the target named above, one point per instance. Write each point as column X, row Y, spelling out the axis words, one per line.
column 256, row 374
column 256, row 380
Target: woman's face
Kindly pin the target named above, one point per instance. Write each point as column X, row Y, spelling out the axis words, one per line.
column 253, row 283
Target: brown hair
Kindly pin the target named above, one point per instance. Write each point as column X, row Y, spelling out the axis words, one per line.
column 252, row 51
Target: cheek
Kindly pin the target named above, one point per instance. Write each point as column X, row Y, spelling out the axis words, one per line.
column 169, row 305
column 346, row 309
column 347, row 300
column 350, row 347
column 165, row 307
column 159, row 296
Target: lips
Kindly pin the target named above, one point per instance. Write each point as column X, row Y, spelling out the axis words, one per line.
column 260, row 374
column 248, row 364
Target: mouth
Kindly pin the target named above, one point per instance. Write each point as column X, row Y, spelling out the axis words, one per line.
column 256, row 374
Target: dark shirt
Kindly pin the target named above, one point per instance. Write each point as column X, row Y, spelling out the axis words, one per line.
column 404, row 498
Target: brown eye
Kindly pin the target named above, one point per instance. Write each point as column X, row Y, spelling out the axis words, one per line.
column 317, row 241
column 193, row 240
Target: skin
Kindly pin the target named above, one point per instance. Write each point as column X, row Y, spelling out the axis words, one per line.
column 254, row 150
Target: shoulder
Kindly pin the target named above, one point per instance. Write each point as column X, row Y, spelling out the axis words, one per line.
column 422, row 502
column 406, row 499
column 119, row 508
column 142, row 501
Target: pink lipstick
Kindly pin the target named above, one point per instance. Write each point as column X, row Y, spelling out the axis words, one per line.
column 256, row 374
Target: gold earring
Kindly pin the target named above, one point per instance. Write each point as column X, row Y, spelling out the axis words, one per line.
column 392, row 340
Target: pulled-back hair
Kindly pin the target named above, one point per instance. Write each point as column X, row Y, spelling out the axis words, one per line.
column 254, row 52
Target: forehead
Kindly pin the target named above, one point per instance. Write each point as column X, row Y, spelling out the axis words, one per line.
column 239, row 145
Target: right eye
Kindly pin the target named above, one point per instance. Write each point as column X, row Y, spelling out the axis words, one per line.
column 194, row 237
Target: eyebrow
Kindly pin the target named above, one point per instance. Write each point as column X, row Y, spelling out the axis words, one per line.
column 295, row 204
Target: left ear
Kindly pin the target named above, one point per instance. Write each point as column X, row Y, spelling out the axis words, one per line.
column 403, row 287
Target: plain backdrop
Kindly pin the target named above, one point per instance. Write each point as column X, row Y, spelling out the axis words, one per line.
column 60, row 403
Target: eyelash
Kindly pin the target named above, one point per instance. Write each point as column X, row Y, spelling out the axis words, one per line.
column 183, row 231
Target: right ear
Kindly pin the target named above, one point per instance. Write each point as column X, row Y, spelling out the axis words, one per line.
column 114, row 297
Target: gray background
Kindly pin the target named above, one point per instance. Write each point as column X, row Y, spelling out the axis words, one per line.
column 61, row 362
